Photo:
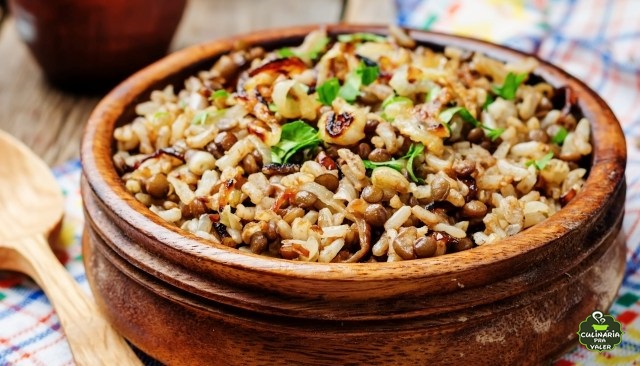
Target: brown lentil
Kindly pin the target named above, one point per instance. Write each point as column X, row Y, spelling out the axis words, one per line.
column 227, row 241
column 474, row 209
column 258, row 242
column 332, row 152
column 157, row 186
column 439, row 188
column 225, row 140
column 305, row 199
column 194, row 209
column 403, row 243
column 272, row 231
column 364, row 150
column 476, row 135
column 379, row 155
column 371, row 125
column 539, row 135
column 412, row 201
column 372, row 194
column 249, row 164
column 425, row 247
column 462, row 244
column 375, row 215
column 328, row 180
column 464, row 168
column 213, row 149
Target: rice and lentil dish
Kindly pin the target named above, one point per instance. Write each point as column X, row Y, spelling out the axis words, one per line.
column 360, row 148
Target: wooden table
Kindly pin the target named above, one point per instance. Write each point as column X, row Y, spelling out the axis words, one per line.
column 51, row 121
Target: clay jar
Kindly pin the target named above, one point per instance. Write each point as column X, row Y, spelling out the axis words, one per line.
column 94, row 44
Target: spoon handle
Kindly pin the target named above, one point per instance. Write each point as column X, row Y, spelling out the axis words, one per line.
column 91, row 338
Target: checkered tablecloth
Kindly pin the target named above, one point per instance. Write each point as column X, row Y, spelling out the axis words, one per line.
column 597, row 41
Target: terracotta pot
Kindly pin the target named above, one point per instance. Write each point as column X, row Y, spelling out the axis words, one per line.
column 93, row 44
column 185, row 301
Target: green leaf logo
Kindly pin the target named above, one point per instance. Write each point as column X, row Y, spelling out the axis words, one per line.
column 600, row 332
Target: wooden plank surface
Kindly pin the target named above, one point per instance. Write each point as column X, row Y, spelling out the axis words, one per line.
column 51, row 121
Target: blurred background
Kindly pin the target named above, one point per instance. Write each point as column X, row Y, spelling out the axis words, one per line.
column 50, row 120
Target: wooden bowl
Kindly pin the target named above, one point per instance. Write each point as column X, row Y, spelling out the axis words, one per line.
column 185, row 301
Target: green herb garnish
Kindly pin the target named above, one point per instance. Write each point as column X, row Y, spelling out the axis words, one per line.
column 368, row 74
column 394, row 164
column 511, row 83
column 160, row 115
column 433, row 93
column 493, row 133
column 391, row 100
column 351, row 88
column 200, row 118
column 362, row 75
column 312, row 54
column 446, row 116
column 542, row 162
column 414, row 150
column 404, row 162
column 218, row 94
column 328, row 91
column 487, row 102
column 361, row 37
column 394, row 99
column 559, row 137
column 318, row 48
column 272, row 107
column 285, row 52
column 296, row 136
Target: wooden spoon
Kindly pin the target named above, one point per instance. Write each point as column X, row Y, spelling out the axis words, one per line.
column 30, row 205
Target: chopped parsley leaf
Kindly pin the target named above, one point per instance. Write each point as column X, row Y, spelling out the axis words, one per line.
column 328, row 91
column 160, row 114
column 200, row 118
column 312, row 54
column 362, row 75
column 405, row 162
column 296, row 136
column 394, row 164
column 318, row 48
column 285, row 52
column 487, row 102
column 446, row 116
column 414, row 150
column 511, row 83
column 541, row 163
column 219, row 94
column 393, row 100
column 559, row 137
